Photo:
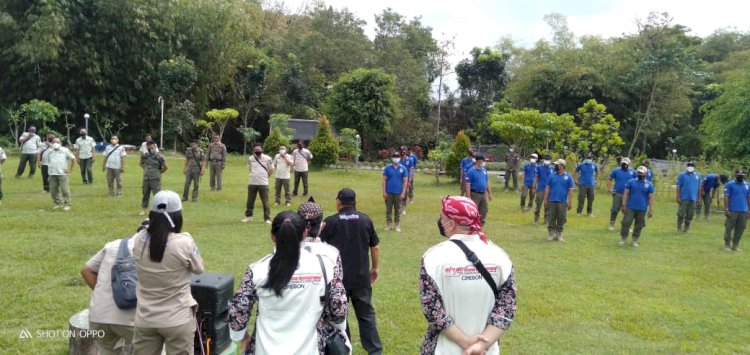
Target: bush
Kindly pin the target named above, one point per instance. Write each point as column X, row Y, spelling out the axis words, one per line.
column 273, row 141
column 459, row 149
column 324, row 147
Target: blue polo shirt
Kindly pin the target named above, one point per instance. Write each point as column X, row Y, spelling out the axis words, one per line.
column 394, row 176
column 414, row 160
column 529, row 171
column 737, row 193
column 650, row 175
column 542, row 173
column 559, row 185
column 639, row 192
column 710, row 182
column 477, row 178
column 406, row 162
column 466, row 164
column 587, row 174
column 621, row 177
column 689, row 183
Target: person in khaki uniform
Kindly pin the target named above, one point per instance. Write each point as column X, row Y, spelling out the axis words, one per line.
column 153, row 165
column 58, row 160
column 511, row 168
column 193, row 170
column 217, row 161
column 114, row 165
column 86, row 154
column 261, row 168
column 41, row 160
column 282, row 165
column 165, row 258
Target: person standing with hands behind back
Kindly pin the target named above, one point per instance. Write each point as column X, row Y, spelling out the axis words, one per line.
column 86, row 154
column 736, row 201
column 478, row 185
column 558, row 196
column 637, row 203
column 193, row 170
column 217, row 157
column 301, row 158
column 394, row 190
column 153, row 165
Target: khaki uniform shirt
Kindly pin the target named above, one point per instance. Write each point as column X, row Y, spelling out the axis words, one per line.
column 86, row 147
column 102, row 308
column 152, row 165
column 217, row 152
column 300, row 159
column 32, row 145
column 511, row 161
column 282, row 167
column 260, row 169
column 194, row 158
column 163, row 291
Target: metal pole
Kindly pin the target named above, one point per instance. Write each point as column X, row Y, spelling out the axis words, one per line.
column 161, row 126
column 86, row 117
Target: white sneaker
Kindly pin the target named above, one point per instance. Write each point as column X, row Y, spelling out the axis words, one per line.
column 387, row 227
column 635, row 244
column 247, row 219
column 398, row 229
column 268, row 221
column 611, row 227
column 621, row 242
column 403, row 213
column 66, row 208
column 288, row 204
column 57, row 207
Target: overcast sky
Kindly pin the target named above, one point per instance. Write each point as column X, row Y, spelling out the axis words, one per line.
column 480, row 23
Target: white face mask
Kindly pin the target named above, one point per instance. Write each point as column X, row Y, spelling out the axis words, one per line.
column 532, row 160
column 473, row 160
column 396, row 160
column 588, row 161
column 282, row 152
column 547, row 162
column 483, row 165
column 56, row 146
column 510, row 150
column 690, row 169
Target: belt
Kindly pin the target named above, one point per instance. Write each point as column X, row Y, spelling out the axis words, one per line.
column 216, row 160
column 477, row 192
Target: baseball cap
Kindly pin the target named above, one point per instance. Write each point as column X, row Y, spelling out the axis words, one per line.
column 625, row 160
column 478, row 157
column 642, row 170
column 166, row 202
column 533, row 155
column 560, row 162
column 690, row 163
column 347, row 195
column 589, row 155
column 739, row 172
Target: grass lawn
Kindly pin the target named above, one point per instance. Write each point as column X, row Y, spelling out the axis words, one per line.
column 674, row 294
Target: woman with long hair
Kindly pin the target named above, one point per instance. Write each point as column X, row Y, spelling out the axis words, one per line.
column 299, row 292
column 165, row 258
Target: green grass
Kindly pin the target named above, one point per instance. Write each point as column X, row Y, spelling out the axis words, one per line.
column 674, row 294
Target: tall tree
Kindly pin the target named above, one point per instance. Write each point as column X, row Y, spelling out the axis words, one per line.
column 481, row 80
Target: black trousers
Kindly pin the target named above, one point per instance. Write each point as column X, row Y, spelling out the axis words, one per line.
column 252, row 192
column 45, row 177
column 297, row 176
column 361, row 299
column 31, row 160
column 86, row 170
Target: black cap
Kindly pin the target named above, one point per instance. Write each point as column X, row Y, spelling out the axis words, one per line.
column 739, row 172
column 547, row 157
column 691, row 163
column 478, row 157
column 346, row 195
column 589, row 155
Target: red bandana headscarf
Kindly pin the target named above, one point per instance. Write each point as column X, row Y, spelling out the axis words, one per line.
column 464, row 211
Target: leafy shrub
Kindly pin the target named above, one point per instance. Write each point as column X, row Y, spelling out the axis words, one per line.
column 324, row 147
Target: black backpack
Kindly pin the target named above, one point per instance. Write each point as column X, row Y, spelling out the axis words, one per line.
column 124, row 278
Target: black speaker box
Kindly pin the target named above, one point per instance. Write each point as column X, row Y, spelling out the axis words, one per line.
column 213, row 291
column 217, row 330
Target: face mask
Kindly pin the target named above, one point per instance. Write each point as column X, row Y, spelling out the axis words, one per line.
column 396, row 160
column 624, row 166
column 440, row 228
column 299, row 146
column 282, row 151
column 532, row 161
column 33, row 130
column 483, row 165
column 473, row 160
column 83, row 134
column 690, row 169
column 257, row 154
column 740, row 178
column 641, row 177
column 510, row 150
column 588, row 161
column 547, row 162
column 56, row 146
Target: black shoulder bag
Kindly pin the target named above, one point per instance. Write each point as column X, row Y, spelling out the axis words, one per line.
column 110, row 153
column 335, row 345
column 477, row 264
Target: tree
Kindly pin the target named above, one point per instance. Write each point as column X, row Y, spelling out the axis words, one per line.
column 531, row 129
column 348, row 144
column 281, row 121
column 458, row 150
column 727, row 120
column 481, row 80
column 274, row 141
column 324, row 147
column 38, row 111
column 597, row 131
column 218, row 119
column 365, row 100
column 439, row 156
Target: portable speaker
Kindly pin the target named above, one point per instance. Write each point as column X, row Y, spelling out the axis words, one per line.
column 212, row 291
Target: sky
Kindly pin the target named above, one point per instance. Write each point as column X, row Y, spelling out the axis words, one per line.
column 480, row 23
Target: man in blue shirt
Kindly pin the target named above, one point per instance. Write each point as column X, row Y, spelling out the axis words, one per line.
column 394, row 191
column 620, row 176
column 736, row 200
column 478, row 184
column 529, row 173
column 650, row 173
column 558, row 197
column 637, row 204
column 408, row 164
column 543, row 171
column 586, row 175
column 414, row 161
column 709, row 186
column 686, row 195
column 466, row 164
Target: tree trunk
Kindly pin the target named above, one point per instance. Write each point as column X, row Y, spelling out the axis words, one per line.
column 639, row 124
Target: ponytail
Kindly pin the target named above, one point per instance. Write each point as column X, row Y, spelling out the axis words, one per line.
column 158, row 231
column 288, row 228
